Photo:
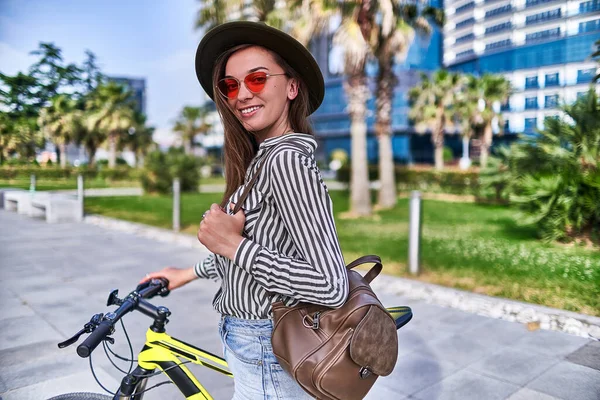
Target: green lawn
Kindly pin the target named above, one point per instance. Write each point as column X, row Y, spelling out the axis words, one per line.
column 468, row 246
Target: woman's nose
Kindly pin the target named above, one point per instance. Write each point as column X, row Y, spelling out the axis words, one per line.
column 244, row 93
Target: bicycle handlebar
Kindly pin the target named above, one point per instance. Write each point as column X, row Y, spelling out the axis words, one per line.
column 132, row 302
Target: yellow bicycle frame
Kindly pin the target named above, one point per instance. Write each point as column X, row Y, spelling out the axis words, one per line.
column 164, row 352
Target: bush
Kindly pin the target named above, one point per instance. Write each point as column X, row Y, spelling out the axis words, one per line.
column 161, row 168
column 447, row 155
column 554, row 176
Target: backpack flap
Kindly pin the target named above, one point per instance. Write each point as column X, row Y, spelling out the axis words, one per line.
column 374, row 344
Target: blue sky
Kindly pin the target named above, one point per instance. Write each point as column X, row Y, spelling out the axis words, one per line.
column 152, row 39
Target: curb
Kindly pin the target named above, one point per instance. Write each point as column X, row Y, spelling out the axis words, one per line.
column 548, row 318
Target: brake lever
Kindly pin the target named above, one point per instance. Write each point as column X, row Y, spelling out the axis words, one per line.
column 87, row 328
column 72, row 340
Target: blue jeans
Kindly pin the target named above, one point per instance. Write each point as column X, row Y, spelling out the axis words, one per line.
column 256, row 373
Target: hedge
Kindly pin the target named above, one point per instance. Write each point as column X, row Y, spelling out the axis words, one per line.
column 453, row 182
column 24, row 172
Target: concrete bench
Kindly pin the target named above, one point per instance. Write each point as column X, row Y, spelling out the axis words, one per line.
column 54, row 207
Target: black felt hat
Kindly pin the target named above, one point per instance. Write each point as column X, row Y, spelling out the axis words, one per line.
column 231, row 34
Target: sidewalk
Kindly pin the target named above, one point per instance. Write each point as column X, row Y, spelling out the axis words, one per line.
column 55, row 277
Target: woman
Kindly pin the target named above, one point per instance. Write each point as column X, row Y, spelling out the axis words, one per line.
column 282, row 244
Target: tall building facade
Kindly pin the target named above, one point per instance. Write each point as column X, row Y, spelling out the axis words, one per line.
column 543, row 47
column 332, row 122
column 137, row 86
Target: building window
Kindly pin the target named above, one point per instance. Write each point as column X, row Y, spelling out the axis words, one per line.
column 589, row 26
column 531, row 3
column 585, row 75
column 498, row 11
column 506, row 127
column 466, row 7
column 466, row 22
column 499, row 28
column 498, row 45
column 551, row 101
column 589, row 6
column 531, row 103
column 505, row 106
column 542, row 35
column 551, row 80
column 543, row 17
column 465, row 53
column 530, row 124
column 531, row 82
column 465, row 38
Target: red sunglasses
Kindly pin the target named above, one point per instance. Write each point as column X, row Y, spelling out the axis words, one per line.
column 255, row 82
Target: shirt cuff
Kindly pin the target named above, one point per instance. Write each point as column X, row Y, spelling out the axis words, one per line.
column 246, row 254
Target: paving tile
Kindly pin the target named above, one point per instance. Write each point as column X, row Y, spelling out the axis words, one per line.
column 550, row 343
column 466, row 385
column 588, row 356
column 518, row 367
column 79, row 382
column 528, row 394
column 415, row 372
column 381, row 392
column 15, row 355
column 26, row 330
column 497, row 332
column 569, row 381
column 458, row 349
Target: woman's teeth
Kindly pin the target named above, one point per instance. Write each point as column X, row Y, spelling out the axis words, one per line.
column 249, row 110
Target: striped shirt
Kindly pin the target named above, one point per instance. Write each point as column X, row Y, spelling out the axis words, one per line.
column 290, row 250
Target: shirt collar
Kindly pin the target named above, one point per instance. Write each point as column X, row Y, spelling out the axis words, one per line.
column 306, row 140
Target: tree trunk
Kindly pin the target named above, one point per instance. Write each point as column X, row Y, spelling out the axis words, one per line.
column 386, row 81
column 358, row 94
column 437, row 138
column 187, row 146
column 486, row 143
column 63, row 158
column 140, row 161
column 112, row 151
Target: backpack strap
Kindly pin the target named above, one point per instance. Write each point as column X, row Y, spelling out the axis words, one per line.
column 373, row 272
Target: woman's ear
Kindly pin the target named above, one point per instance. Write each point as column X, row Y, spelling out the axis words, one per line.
column 292, row 89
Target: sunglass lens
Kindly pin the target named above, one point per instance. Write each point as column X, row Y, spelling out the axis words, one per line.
column 255, row 82
column 229, row 87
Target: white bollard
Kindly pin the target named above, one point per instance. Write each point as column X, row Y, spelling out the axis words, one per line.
column 414, row 232
column 80, row 196
column 176, row 204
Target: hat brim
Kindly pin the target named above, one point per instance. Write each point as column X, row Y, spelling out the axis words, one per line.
column 231, row 34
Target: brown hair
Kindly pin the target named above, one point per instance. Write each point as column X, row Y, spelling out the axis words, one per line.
column 240, row 144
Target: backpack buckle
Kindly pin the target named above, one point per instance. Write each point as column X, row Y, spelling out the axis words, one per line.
column 364, row 373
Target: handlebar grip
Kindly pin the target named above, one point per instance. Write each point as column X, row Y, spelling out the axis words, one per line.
column 92, row 341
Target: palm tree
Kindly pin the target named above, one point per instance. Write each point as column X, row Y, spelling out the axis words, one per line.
column 111, row 113
column 60, row 122
column 555, row 175
column 492, row 90
column 433, row 107
column 191, row 122
column 139, row 139
column 468, row 116
column 390, row 32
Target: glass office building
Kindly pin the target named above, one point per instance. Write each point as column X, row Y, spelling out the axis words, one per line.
column 332, row 122
column 137, row 86
column 543, row 47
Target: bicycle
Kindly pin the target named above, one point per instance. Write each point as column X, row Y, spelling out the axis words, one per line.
column 160, row 351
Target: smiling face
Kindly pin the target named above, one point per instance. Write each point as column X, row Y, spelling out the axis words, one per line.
column 264, row 113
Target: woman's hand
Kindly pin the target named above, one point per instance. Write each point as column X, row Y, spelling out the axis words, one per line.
column 176, row 276
column 221, row 233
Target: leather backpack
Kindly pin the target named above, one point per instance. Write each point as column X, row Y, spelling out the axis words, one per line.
column 338, row 354
column 335, row 354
